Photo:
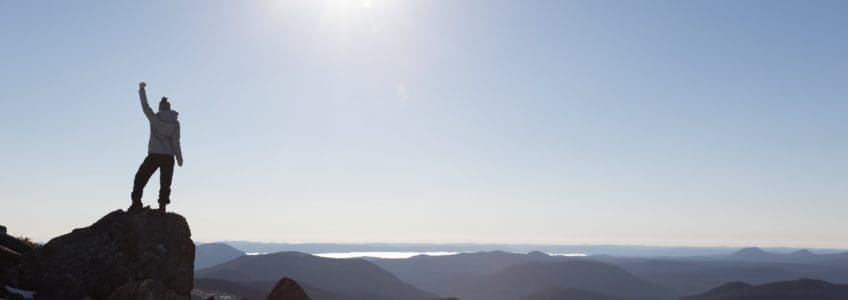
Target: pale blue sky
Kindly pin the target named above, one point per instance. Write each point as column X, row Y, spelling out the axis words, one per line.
column 630, row 122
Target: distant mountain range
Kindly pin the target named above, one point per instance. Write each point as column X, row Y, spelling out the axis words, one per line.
column 437, row 273
column 523, row 280
column 804, row 289
column 351, row 278
column 568, row 294
column 754, row 254
column 492, row 276
column 689, row 275
column 207, row 255
column 499, row 275
column 612, row 250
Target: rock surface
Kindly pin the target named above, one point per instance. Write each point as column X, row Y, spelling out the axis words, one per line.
column 140, row 255
column 287, row 289
column 12, row 252
column 15, row 245
column 145, row 289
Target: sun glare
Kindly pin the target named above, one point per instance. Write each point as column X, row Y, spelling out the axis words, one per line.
column 348, row 5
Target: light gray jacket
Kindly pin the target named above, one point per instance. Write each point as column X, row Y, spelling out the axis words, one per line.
column 164, row 130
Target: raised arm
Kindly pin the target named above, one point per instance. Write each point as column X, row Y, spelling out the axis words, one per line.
column 175, row 142
column 144, row 105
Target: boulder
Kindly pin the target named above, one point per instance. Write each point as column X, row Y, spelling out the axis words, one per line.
column 139, row 255
column 147, row 289
column 287, row 289
column 9, row 261
column 14, row 244
column 12, row 251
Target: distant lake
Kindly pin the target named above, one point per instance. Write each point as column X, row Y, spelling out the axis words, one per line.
column 385, row 254
column 401, row 254
column 569, row 254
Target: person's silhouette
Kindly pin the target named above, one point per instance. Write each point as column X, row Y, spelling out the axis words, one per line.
column 163, row 146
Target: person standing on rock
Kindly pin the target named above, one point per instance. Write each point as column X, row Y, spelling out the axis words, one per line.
column 162, row 148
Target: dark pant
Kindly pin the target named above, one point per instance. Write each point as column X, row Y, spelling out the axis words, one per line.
column 165, row 164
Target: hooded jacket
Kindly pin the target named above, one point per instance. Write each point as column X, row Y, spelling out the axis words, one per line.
column 164, row 130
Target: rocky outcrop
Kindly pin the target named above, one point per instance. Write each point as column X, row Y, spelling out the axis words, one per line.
column 14, row 244
column 205, row 288
column 12, row 251
column 140, row 255
column 287, row 289
column 9, row 260
column 145, row 289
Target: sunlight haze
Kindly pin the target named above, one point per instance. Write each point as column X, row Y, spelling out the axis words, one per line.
column 673, row 123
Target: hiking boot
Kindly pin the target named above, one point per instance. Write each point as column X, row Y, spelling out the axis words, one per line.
column 135, row 207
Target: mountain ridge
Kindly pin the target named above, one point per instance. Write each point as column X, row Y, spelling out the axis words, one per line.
column 801, row 289
column 341, row 276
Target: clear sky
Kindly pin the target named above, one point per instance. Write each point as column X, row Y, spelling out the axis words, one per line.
column 627, row 122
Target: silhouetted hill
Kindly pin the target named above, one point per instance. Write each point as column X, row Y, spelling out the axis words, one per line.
column 726, row 289
column 688, row 277
column 803, row 253
column 121, row 256
column 226, row 289
column 221, row 288
column 287, row 289
column 568, row 294
column 437, row 273
column 751, row 252
column 525, row 279
column 352, row 278
column 314, row 293
column 804, row 289
column 207, row 255
column 754, row 254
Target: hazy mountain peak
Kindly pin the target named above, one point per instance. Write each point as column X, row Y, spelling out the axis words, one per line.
column 789, row 290
column 803, row 252
column 537, row 254
column 731, row 287
column 210, row 254
column 750, row 251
